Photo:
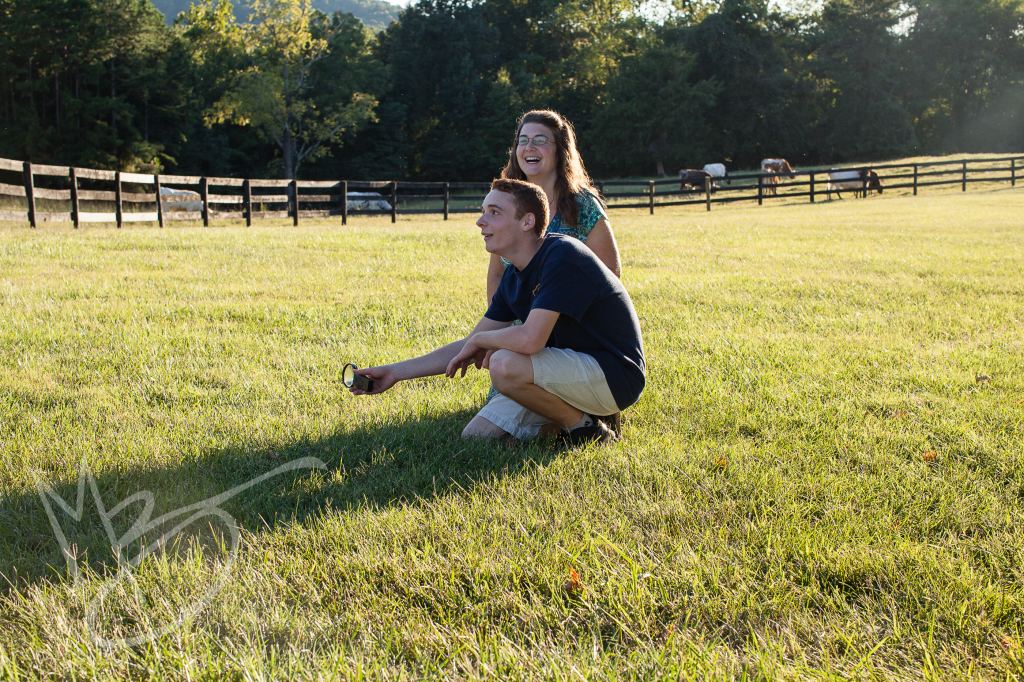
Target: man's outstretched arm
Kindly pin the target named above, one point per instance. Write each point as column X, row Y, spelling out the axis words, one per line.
column 434, row 362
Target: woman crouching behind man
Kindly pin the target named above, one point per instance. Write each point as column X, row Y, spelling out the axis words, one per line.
column 545, row 154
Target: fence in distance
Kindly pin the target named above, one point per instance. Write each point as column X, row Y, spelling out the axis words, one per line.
column 36, row 193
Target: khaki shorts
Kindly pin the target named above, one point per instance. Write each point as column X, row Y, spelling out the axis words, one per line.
column 574, row 377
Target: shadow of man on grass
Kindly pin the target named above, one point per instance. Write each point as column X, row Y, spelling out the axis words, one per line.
column 394, row 464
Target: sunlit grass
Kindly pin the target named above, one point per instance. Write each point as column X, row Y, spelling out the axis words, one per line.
column 822, row 478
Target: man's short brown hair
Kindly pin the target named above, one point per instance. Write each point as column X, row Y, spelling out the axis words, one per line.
column 530, row 198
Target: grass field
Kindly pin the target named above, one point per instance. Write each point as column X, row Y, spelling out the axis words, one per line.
column 823, row 478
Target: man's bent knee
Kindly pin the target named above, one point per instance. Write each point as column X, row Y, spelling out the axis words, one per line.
column 509, row 369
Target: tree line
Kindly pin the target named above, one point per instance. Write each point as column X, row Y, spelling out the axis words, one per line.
column 650, row 86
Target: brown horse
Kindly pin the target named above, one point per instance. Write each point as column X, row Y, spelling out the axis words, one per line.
column 694, row 178
column 775, row 167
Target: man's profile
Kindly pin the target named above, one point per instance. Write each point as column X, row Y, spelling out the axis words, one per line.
column 579, row 353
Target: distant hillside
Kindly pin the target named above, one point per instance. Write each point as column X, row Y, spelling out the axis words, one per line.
column 376, row 14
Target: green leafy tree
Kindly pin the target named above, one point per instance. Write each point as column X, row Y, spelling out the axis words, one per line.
column 352, row 67
column 966, row 68
column 79, row 76
column 598, row 33
column 464, row 71
column 442, row 57
column 278, row 93
column 758, row 111
column 654, row 115
column 855, row 58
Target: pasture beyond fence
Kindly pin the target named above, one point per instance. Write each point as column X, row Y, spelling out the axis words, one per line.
column 66, row 193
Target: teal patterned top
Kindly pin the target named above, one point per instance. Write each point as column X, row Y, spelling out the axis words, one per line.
column 590, row 211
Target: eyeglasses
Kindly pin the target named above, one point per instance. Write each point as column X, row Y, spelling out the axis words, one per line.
column 538, row 140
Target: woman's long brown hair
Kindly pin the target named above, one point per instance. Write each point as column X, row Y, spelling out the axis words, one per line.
column 572, row 177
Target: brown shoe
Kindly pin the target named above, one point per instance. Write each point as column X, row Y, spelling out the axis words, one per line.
column 613, row 422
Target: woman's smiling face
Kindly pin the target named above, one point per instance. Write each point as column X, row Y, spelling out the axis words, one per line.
column 537, row 161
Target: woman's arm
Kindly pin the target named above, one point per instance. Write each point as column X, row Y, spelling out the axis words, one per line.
column 602, row 242
column 495, row 269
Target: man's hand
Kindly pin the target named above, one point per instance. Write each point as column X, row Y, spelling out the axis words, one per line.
column 384, row 377
column 471, row 354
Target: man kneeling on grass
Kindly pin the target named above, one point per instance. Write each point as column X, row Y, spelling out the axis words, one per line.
column 579, row 354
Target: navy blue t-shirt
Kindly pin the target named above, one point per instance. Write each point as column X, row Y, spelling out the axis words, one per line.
column 596, row 314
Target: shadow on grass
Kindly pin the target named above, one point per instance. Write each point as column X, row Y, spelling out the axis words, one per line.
column 394, row 464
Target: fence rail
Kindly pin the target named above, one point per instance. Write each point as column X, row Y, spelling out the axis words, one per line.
column 254, row 199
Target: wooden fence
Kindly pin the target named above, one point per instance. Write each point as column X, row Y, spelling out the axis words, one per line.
column 132, row 195
column 813, row 185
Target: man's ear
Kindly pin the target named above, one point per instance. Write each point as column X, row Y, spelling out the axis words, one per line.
column 529, row 221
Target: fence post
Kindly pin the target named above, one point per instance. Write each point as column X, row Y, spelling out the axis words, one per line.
column 707, row 191
column 344, row 202
column 651, row 190
column 159, row 202
column 446, row 201
column 760, row 189
column 30, row 194
column 247, row 198
column 75, row 218
column 118, row 210
column 600, row 190
column 812, row 187
column 915, row 179
column 293, row 190
column 963, row 186
column 1013, row 172
column 204, row 194
column 394, row 201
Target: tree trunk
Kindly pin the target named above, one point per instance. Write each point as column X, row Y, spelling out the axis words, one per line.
column 31, row 95
column 288, row 145
column 113, row 102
